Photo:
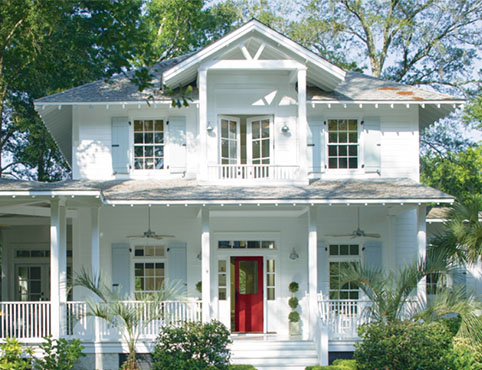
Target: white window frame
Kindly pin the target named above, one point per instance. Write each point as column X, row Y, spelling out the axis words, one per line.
column 145, row 172
column 238, row 139
column 360, row 132
column 249, row 139
column 146, row 259
column 344, row 258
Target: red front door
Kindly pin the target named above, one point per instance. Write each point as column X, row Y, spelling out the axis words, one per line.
column 248, row 283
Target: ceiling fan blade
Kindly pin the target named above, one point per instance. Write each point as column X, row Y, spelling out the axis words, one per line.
column 339, row 235
column 135, row 236
column 162, row 236
column 369, row 235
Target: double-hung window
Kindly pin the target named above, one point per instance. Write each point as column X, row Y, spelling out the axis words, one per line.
column 149, row 269
column 343, row 140
column 149, row 144
column 341, row 257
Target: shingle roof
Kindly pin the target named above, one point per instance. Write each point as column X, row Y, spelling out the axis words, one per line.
column 190, row 190
column 357, row 86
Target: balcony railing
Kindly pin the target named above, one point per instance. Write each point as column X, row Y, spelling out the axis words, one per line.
column 254, row 172
column 30, row 321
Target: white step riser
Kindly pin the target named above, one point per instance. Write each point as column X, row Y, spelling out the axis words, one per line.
column 274, row 354
column 276, row 362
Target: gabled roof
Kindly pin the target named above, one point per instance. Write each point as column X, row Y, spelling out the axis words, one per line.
column 320, row 72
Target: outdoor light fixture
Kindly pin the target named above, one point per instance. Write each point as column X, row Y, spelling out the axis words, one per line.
column 285, row 129
column 210, row 128
column 294, row 255
column 199, row 256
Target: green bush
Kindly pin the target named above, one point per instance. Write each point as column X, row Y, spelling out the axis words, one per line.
column 59, row 354
column 404, row 345
column 13, row 356
column 193, row 346
column 293, row 287
column 337, row 365
column 293, row 302
column 294, row 316
column 241, row 367
column 465, row 355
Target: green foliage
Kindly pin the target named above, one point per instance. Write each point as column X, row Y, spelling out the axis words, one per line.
column 59, row 354
column 241, row 367
column 461, row 238
column 456, row 173
column 125, row 317
column 13, row 356
column 293, row 287
column 293, row 302
column 337, row 365
column 465, row 355
column 199, row 286
column 403, row 345
column 473, row 112
column 294, row 316
column 194, row 345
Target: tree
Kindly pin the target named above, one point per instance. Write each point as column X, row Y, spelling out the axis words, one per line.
column 473, row 112
column 48, row 46
column 456, row 173
column 129, row 319
column 432, row 42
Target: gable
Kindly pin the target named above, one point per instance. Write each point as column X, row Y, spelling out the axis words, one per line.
column 255, row 46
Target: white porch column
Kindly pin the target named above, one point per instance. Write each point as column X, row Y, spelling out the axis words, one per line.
column 203, row 122
column 55, row 268
column 422, row 247
column 62, row 263
column 302, row 124
column 205, row 265
column 95, row 243
column 313, row 267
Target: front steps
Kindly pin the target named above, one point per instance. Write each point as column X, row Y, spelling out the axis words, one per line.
column 266, row 353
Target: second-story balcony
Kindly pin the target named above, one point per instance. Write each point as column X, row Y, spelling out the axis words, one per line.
column 254, row 173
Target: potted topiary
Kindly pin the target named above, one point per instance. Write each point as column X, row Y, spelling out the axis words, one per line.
column 294, row 316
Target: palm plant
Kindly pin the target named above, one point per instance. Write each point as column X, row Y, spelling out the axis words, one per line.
column 393, row 296
column 461, row 238
column 129, row 319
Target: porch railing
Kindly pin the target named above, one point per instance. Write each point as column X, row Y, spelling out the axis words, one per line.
column 80, row 324
column 24, row 320
column 255, row 172
column 342, row 317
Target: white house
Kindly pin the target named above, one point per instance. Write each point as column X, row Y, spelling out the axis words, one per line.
column 283, row 168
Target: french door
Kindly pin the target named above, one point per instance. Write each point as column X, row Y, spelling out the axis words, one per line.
column 248, row 299
column 32, row 282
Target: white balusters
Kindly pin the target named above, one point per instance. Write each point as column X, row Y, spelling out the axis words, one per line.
column 24, row 320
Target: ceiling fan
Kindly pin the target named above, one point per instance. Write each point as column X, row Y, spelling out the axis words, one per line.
column 149, row 234
column 358, row 233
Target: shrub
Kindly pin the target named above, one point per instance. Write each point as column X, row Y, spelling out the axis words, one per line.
column 193, row 346
column 403, row 345
column 13, row 356
column 465, row 355
column 294, row 316
column 293, row 287
column 337, row 365
column 241, row 367
column 59, row 354
column 293, row 302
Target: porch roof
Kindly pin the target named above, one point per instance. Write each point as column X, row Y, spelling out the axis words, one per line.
column 190, row 191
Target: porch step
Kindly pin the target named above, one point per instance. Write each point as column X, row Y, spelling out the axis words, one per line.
column 269, row 354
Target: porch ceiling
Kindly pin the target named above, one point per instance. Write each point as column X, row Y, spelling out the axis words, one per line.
column 374, row 191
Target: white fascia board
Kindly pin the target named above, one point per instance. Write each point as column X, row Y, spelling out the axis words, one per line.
column 277, row 201
column 130, row 102
column 51, row 193
column 265, row 31
column 414, row 102
column 281, row 65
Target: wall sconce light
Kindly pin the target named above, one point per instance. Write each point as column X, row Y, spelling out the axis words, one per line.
column 294, row 255
column 210, row 128
column 285, row 129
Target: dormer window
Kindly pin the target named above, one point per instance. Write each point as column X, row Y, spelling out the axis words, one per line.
column 342, row 144
column 149, row 144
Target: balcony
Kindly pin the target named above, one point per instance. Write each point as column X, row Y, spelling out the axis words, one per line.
column 254, row 173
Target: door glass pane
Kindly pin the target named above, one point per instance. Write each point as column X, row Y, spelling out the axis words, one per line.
column 255, row 129
column 265, row 128
column 248, row 277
